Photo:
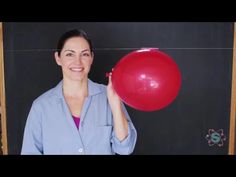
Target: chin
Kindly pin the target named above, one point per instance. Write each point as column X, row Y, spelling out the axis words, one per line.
column 77, row 77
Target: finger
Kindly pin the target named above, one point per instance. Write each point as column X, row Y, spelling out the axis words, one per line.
column 110, row 79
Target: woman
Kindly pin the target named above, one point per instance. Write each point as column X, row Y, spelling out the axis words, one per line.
column 78, row 116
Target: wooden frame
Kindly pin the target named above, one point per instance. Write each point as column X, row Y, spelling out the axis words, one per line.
column 232, row 132
column 2, row 96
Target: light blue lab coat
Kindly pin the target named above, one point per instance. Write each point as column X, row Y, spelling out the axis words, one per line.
column 50, row 128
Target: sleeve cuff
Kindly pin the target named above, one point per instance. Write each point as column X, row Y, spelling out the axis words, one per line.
column 125, row 141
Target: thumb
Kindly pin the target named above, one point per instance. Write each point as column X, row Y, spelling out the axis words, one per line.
column 110, row 82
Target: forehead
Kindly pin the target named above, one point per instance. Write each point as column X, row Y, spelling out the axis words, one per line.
column 76, row 43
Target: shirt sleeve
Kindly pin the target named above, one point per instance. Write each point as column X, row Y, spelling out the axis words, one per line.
column 127, row 145
column 32, row 139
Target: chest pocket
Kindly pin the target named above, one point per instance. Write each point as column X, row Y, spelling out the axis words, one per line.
column 104, row 134
column 104, row 116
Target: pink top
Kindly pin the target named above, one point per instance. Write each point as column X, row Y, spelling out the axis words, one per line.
column 76, row 120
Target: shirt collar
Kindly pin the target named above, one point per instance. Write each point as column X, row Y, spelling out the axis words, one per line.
column 93, row 89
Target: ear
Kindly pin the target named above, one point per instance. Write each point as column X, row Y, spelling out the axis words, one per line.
column 57, row 58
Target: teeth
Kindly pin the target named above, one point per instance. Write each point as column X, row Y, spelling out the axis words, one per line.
column 77, row 69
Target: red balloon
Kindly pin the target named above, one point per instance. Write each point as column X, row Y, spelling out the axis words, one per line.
column 146, row 79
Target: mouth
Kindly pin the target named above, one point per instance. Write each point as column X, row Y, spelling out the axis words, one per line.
column 76, row 69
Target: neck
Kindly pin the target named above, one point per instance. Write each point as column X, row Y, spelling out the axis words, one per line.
column 75, row 89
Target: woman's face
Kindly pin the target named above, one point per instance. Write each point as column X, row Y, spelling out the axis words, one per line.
column 75, row 59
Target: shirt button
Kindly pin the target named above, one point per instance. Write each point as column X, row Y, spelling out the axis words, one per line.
column 80, row 150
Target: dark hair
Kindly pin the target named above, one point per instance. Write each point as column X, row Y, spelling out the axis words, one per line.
column 73, row 33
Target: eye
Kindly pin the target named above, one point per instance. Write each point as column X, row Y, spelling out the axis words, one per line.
column 86, row 54
column 69, row 54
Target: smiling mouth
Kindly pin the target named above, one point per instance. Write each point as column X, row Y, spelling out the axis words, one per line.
column 77, row 69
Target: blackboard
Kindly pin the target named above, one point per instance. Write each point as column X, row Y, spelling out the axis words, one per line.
column 202, row 50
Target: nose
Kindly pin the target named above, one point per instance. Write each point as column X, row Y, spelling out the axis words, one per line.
column 78, row 59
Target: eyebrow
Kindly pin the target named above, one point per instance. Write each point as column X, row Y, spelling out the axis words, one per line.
column 85, row 50
column 69, row 51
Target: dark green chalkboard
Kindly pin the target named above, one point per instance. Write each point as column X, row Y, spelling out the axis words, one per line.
column 203, row 52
